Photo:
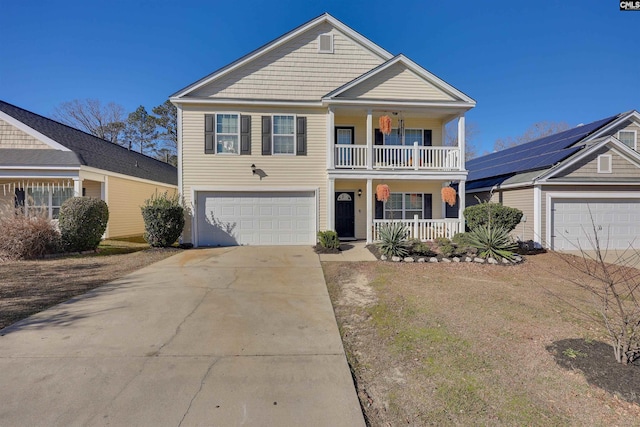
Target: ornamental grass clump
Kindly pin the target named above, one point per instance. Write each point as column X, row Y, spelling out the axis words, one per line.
column 26, row 236
column 492, row 242
column 393, row 240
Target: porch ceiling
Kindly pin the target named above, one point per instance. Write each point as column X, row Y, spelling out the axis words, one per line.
column 445, row 114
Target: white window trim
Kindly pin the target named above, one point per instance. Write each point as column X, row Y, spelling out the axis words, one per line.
column 273, row 134
column 635, row 137
column 320, row 50
column 215, row 124
column 404, row 208
column 384, row 141
column 600, row 158
column 49, row 203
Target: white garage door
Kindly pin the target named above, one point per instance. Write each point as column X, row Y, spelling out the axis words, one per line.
column 256, row 218
column 617, row 223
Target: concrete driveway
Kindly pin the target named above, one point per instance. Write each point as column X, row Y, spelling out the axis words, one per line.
column 211, row 337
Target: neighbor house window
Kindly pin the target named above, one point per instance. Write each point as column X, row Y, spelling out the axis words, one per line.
column 404, row 206
column 228, row 133
column 47, row 201
column 284, row 135
column 628, row 138
column 410, row 136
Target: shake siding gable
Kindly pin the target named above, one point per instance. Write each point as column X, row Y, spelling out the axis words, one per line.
column 398, row 83
column 296, row 70
column 12, row 137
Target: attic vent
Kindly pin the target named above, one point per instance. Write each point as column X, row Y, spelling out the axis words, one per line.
column 325, row 43
column 604, row 163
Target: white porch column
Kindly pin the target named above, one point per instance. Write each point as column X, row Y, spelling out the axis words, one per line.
column 461, row 140
column 330, row 140
column 77, row 187
column 462, row 203
column 369, row 140
column 369, row 211
column 331, row 210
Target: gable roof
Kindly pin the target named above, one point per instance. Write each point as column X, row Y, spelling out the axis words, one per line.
column 538, row 154
column 90, row 150
column 409, row 64
column 324, row 18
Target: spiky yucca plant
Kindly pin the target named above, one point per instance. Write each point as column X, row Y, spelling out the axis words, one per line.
column 492, row 242
column 393, row 239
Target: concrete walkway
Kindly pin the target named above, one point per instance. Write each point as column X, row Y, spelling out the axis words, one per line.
column 213, row 337
column 354, row 251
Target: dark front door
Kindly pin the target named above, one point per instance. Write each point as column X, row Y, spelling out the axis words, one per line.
column 345, row 214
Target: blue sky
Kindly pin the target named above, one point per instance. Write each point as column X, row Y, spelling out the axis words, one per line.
column 523, row 62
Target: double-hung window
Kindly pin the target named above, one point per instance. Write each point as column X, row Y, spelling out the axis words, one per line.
column 227, row 134
column 284, row 131
column 628, row 138
column 404, row 206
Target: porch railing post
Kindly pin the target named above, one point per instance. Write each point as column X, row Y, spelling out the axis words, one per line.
column 416, row 227
column 416, row 160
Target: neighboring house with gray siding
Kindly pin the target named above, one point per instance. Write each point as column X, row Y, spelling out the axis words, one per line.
column 284, row 142
column 44, row 162
column 568, row 182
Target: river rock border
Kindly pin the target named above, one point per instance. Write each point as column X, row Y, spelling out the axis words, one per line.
column 504, row 261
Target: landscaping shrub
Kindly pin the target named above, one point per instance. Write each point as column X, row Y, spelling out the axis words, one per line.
column 492, row 242
column 419, row 248
column 27, row 237
column 393, row 240
column 82, row 223
column 328, row 239
column 163, row 219
column 461, row 239
column 494, row 214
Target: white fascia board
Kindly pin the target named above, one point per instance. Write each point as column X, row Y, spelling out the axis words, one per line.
column 240, row 188
column 502, row 187
column 383, row 54
column 39, row 174
column 633, row 115
column 251, row 102
column 464, row 106
column 593, row 183
column 123, row 176
column 32, row 132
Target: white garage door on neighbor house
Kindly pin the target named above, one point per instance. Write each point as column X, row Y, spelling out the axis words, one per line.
column 255, row 218
column 617, row 223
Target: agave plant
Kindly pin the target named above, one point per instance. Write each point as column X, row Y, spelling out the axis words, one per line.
column 393, row 239
column 492, row 242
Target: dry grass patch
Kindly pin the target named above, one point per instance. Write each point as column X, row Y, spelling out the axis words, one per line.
column 465, row 344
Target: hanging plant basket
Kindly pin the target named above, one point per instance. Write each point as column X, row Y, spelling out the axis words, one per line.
column 449, row 195
column 382, row 192
column 385, row 125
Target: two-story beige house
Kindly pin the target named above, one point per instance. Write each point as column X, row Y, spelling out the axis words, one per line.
column 302, row 134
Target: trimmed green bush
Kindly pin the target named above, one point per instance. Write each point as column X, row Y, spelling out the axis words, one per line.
column 163, row 217
column 393, row 240
column 492, row 242
column 82, row 222
column 328, row 239
column 494, row 214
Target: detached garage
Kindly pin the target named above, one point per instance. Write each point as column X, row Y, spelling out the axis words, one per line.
column 229, row 218
column 617, row 222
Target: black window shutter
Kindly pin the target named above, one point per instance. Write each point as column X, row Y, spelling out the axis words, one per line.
column 428, row 206
column 266, row 135
column 379, row 138
column 379, row 209
column 426, row 140
column 301, row 136
column 209, row 133
column 245, row 135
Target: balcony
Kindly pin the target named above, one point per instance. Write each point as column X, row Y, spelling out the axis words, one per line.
column 395, row 157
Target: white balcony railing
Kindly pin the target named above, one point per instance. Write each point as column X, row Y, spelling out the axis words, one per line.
column 397, row 157
column 423, row 229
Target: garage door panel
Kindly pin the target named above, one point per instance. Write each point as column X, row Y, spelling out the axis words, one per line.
column 255, row 218
column 616, row 222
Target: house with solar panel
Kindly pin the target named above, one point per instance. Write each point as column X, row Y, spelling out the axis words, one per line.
column 569, row 182
column 44, row 162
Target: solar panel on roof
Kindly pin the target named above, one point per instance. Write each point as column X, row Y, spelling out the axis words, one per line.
column 538, row 154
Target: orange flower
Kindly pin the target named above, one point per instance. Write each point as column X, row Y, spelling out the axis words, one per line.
column 449, row 195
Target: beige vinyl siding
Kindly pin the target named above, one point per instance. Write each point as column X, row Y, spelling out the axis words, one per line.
column 295, row 70
column 124, row 198
column 586, row 190
column 398, row 83
column 588, row 167
column 360, row 123
column 12, row 137
column 92, row 189
column 282, row 171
